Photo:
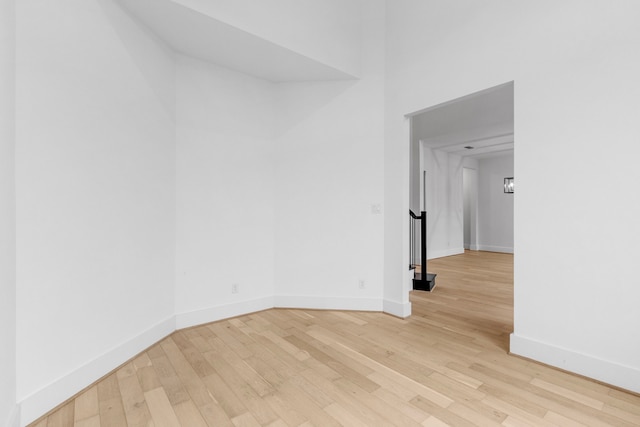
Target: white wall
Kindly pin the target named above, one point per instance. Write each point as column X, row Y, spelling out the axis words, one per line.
column 495, row 207
column 8, row 411
column 577, row 99
column 470, row 206
column 95, row 176
column 329, row 173
column 118, row 225
column 416, row 195
column 225, row 206
column 328, row 31
column 445, row 231
column 95, row 185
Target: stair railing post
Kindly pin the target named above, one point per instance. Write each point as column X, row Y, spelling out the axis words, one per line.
column 423, row 247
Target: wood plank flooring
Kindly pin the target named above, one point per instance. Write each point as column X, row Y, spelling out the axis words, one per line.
column 445, row 365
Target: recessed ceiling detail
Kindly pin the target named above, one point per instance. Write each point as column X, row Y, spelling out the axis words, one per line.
column 478, row 125
column 484, row 147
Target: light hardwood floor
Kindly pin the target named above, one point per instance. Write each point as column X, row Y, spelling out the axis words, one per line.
column 445, row 365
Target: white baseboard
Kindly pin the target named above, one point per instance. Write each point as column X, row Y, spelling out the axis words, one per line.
column 606, row 371
column 444, row 252
column 489, row 248
column 220, row 312
column 398, row 309
column 40, row 402
column 14, row 417
column 328, row 303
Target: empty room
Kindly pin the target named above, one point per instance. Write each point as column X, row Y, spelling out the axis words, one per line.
column 205, row 213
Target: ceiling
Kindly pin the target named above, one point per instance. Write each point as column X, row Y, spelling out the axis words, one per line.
column 482, row 120
column 200, row 35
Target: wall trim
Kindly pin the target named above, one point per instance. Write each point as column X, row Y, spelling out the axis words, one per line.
column 220, row 312
column 612, row 373
column 49, row 397
column 444, row 253
column 328, row 303
column 42, row 401
column 489, row 248
column 14, row 417
column 398, row 309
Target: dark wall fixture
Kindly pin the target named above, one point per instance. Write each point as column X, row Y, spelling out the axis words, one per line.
column 508, row 185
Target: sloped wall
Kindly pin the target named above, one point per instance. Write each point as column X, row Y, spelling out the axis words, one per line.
column 328, row 31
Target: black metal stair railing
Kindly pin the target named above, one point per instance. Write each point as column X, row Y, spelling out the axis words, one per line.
column 418, row 249
column 414, row 241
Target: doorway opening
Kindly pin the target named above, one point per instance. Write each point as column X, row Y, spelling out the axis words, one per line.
column 461, row 151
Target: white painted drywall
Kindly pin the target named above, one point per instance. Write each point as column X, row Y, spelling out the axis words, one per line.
column 577, row 99
column 329, row 176
column 95, row 179
column 495, row 207
column 470, row 206
column 225, row 205
column 95, row 186
column 213, row 40
column 444, row 202
column 328, row 31
column 416, row 190
column 8, row 410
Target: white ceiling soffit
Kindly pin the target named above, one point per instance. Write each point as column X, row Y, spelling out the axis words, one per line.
column 201, row 36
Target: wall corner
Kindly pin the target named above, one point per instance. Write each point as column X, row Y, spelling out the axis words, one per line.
column 397, row 309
